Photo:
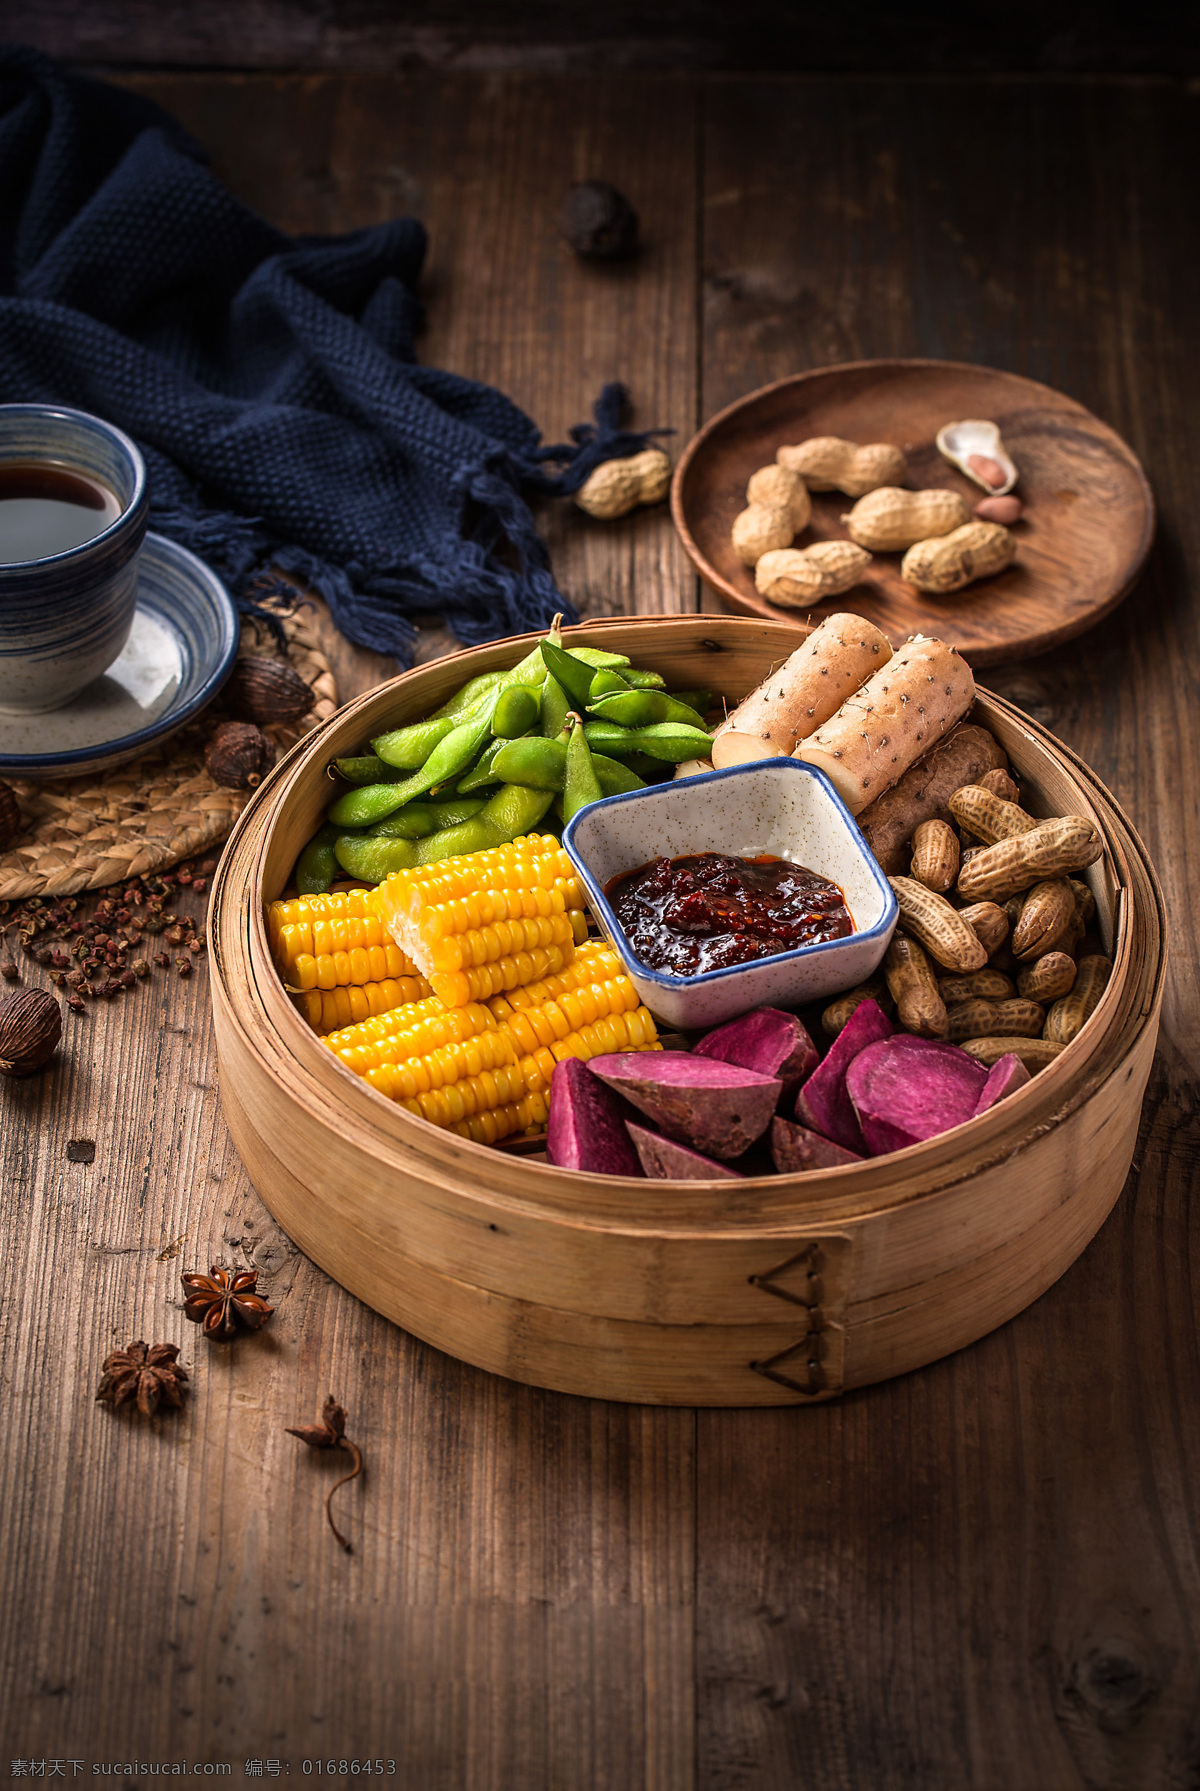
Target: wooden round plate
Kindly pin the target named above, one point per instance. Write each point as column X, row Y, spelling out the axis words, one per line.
column 1086, row 529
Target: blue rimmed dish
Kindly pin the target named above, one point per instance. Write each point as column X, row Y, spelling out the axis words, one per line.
column 776, row 806
column 180, row 651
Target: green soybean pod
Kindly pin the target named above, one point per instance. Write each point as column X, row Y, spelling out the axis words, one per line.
column 373, row 858
column 516, row 712
column 582, row 785
column 670, row 741
column 597, row 657
column 481, row 771
column 644, row 708
column 408, row 748
column 513, row 810
column 454, row 809
column 412, row 822
column 367, row 768
column 317, row 866
column 537, row 763
column 573, row 674
column 643, row 680
column 556, row 706
column 614, row 777
column 465, row 699
column 607, row 683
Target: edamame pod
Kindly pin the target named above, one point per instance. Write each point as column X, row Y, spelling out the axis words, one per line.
column 643, row 709
column 670, row 741
column 481, row 772
column 465, row 699
column 597, row 657
column 607, row 683
column 317, row 866
column 556, row 706
column 643, row 680
column 574, row 676
column 371, row 804
column 582, row 785
column 372, row 859
column 455, row 809
column 517, row 710
column 367, row 768
column 535, row 762
column 512, row 811
column 614, row 778
column 408, row 748
column 412, row 822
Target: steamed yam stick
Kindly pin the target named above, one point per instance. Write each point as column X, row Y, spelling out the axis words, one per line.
column 896, row 716
column 805, row 691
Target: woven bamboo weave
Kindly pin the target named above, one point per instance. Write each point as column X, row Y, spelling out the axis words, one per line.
column 87, row 832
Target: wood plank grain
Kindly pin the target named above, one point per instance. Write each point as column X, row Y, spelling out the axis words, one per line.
column 518, row 1606
column 987, row 1573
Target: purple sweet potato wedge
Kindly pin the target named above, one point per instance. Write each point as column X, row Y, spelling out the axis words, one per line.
column 795, row 1150
column 1006, row 1075
column 823, row 1104
column 906, row 1089
column 666, row 1161
column 586, row 1128
column 767, row 1040
column 714, row 1107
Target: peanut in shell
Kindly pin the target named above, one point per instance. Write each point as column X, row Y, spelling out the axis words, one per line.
column 827, row 463
column 1000, row 783
column 797, row 576
column 1051, row 849
column 980, row 985
column 1047, row 919
column 914, row 988
column 935, row 855
column 838, row 1012
column 1035, row 1054
column 988, row 816
column 777, row 487
column 929, row 919
column 1016, row 1018
column 1049, row 979
column 947, row 562
column 989, row 923
column 760, row 528
column 1068, row 1016
column 888, row 520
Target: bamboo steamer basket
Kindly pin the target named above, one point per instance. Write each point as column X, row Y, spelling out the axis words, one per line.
column 774, row 1291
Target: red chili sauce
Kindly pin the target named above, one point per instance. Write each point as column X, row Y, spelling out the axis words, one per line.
column 688, row 915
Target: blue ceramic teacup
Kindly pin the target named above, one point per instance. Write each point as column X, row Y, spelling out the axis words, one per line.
column 65, row 614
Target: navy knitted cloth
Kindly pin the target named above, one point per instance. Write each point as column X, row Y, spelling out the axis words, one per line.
column 271, row 382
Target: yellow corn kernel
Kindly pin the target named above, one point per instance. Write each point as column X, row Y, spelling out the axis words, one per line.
column 301, row 911
column 448, row 1026
column 362, row 965
column 579, row 925
column 483, row 945
column 526, row 1115
column 460, row 986
column 484, row 906
column 593, row 962
column 422, row 1018
column 440, row 1071
column 329, row 1009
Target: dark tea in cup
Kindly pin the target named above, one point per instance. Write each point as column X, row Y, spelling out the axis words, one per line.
column 47, row 509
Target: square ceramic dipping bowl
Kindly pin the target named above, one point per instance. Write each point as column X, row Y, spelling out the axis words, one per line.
column 779, row 807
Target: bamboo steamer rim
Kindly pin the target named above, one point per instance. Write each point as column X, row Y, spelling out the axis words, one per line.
column 253, row 999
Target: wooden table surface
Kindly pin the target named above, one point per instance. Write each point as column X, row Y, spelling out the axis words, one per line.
column 985, row 1574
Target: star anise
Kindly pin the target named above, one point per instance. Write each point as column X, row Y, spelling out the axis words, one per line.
column 147, row 1372
column 330, row 1433
column 224, row 1302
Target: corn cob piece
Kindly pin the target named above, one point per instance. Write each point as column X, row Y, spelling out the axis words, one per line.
column 594, row 962
column 395, row 1043
column 458, row 987
column 574, row 1011
column 490, row 1088
column 301, row 911
column 523, row 863
column 444, row 1069
column 335, row 969
column 329, row 1010
column 528, row 1114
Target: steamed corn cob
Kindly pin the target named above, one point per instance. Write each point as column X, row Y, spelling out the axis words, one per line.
column 327, row 942
column 390, row 1040
column 505, row 1084
column 328, row 1010
column 445, row 1067
column 458, row 987
column 531, row 861
column 529, row 1113
column 593, row 962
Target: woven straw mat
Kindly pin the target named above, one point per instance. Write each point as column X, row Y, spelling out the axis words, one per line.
column 87, row 832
